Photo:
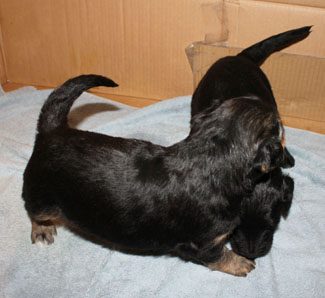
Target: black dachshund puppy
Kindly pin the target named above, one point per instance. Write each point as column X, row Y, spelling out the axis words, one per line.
column 184, row 199
column 241, row 75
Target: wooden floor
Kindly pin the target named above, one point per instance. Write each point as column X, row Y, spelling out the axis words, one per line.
column 307, row 124
column 131, row 101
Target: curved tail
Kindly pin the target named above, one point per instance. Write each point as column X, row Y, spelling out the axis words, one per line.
column 56, row 108
column 263, row 49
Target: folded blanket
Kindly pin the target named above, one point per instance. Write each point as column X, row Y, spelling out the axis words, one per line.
column 74, row 267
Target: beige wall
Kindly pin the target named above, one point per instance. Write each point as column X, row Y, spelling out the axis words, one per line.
column 138, row 43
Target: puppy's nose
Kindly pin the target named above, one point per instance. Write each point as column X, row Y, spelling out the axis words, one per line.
column 248, row 255
column 288, row 159
column 247, row 251
column 251, row 255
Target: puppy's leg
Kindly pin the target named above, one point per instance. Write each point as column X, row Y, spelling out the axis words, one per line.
column 44, row 227
column 43, row 232
column 228, row 261
column 216, row 256
column 231, row 263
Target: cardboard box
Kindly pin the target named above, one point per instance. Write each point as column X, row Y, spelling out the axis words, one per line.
column 138, row 43
column 298, row 78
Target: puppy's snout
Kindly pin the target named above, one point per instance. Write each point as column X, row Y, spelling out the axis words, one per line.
column 248, row 251
column 251, row 256
column 288, row 159
column 252, row 247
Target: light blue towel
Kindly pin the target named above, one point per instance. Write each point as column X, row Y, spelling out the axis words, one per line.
column 73, row 267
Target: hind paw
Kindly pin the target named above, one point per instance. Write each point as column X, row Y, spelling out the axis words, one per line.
column 43, row 234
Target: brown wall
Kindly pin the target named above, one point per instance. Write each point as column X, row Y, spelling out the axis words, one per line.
column 138, row 43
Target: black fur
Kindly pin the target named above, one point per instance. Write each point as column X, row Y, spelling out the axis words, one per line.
column 261, row 213
column 260, row 51
column 239, row 76
column 143, row 196
column 55, row 110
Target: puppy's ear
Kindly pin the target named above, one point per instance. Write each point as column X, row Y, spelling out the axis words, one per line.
column 268, row 157
column 288, row 188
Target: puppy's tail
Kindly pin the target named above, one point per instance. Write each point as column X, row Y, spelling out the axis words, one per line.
column 54, row 113
column 263, row 49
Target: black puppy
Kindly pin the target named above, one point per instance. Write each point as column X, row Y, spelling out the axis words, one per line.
column 241, row 75
column 261, row 213
column 183, row 199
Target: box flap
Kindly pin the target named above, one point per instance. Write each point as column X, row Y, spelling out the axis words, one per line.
column 251, row 21
column 310, row 3
column 297, row 81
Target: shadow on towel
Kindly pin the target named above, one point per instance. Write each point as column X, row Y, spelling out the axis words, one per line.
column 112, row 246
column 79, row 114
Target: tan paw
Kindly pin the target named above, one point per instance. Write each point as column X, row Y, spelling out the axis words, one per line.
column 232, row 263
column 43, row 234
column 241, row 266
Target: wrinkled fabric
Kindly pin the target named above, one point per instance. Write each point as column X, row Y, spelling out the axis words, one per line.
column 74, row 267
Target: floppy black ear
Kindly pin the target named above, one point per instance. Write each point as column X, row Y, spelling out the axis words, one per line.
column 288, row 188
column 268, row 157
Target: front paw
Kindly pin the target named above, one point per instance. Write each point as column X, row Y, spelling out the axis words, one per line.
column 232, row 263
